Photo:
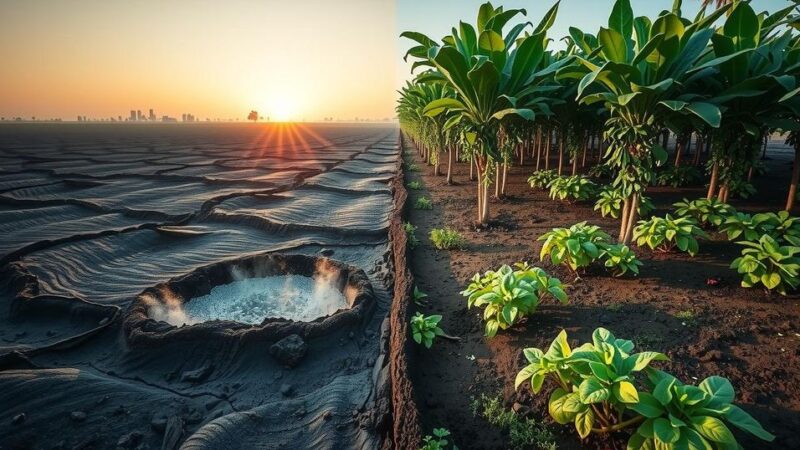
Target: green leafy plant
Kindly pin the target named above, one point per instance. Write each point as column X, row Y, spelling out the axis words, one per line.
column 576, row 247
column 523, row 433
column 610, row 201
column 424, row 329
column 744, row 226
column 423, row 203
column 418, row 296
column 541, row 178
column 767, row 263
column 597, row 392
column 572, row 189
column 678, row 176
column 447, row 239
column 704, row 211
column 601, row 171
column 666, row 233
column 596, row 381
column 620, row 259
column 411, row 235
column 786, row 227
column 415, row 185
column 411, row 167
column 438, row 441
column 682, row 416
column 508, row 295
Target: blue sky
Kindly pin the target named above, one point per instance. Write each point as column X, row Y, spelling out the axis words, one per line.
column 436, row 17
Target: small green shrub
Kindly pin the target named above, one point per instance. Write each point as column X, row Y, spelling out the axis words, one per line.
column 572, row 189
column 438, row 441
column 424, row 329
column 620, row 259
column 704, row 211
column 684, row 416
column 508, row 295
column 597, row 393
column 418, row 296
column 596, row 380
column 523, row 433
column 411, row 235
column 541, row 178
column 576, row 246
column 423, row 203
column 767, row 263
column 666, row 233
column 742, row 226
column 411, row 167
column 447, row 239
column 787, row 228
column 610, row 201
column 678, row 176
column 415, row 185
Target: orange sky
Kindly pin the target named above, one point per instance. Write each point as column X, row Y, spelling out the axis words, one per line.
column 291, row 60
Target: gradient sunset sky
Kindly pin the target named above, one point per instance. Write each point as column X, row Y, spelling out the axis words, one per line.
column 298, row 60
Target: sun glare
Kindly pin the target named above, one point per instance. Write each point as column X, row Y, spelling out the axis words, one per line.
column 282, row 109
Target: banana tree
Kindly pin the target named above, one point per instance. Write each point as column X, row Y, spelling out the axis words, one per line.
column 746, row 75
column 494, row 76
column 643, row 67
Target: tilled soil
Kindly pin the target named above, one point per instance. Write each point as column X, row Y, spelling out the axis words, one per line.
column 746, row 335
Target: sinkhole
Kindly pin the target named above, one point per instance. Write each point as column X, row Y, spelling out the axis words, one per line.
column 270, row 294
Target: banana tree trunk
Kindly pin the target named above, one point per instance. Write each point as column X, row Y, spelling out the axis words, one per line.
column 585, row 150
column 795, row 176
column 497, row 180
column 560, row 153
column 549, row 139
column 505, row 174
column 575, row 164
column 623, row 223
column 712, row 185
column 633, row 215
column 450, row 155
column 678, row 152
column 538, row 146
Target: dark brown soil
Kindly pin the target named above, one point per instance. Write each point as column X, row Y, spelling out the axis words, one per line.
column 748, row 336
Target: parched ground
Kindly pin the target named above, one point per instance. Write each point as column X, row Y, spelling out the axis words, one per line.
column 749, row 337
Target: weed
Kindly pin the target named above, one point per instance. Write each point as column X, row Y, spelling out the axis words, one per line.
column 687, row 317
column 423, row 203
column 411, row 235
column 415, row 185
column 523, row 433
column 447, row 239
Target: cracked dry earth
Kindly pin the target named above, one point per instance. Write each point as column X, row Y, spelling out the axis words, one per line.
column 92, row 215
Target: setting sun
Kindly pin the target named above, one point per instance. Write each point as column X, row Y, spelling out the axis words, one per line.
column 282, row 109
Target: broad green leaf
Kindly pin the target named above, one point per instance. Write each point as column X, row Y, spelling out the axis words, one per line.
column 584, row 421
column 614, row 46
column 713, row 429
column 719, row 388
column 665, row 432
column 440, row 105
column 621, row 18
column 648, row 406
column 740, row 419
column 491, row 41
column 708, row 112
column 625, row 392
column 556, row 407
column 592, row 391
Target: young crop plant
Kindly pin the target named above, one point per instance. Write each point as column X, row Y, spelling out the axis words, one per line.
column 576, row 247
column 610, row 202
column 438, row 441
column 508, row 295
column 620, row 259
column 678, row 176
column 679, row 416
column 597, row 393
column 666, row 233
column 419, row 297
column 767, row 263
column 447, row 239
column 572, row 189
column 411, row 235
column 423, row 203
column 424, row 329
column 596, row 381
column 541, row 178
column 787, row 227
column 415, row 185
column 411, row 167
column 742, row 226
column 705, row 212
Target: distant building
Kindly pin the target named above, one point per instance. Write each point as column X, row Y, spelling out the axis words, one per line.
column 168, row 119
column 152, row 116
column 80, row 119
column 139, row 115
column 132, row 118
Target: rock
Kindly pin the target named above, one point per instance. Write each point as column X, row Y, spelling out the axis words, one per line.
column 19, row 418
column 326, row 252
column 173, row 434
column 77, row 416
column 289, row 351
column 129, row 441
column 197, row 375
column 287, row 390
column 211, row 404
